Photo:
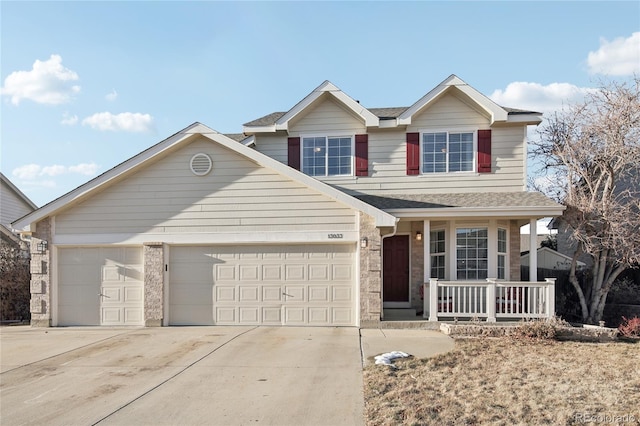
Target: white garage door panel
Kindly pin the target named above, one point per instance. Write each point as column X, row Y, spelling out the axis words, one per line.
column 268, row 284
column 100, row 286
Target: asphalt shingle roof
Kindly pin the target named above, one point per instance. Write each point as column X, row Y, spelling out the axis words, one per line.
column 469, row 200
column 381, row 113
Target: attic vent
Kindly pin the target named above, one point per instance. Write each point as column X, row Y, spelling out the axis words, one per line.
column 200, row 164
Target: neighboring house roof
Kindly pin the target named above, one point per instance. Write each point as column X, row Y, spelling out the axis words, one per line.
column 402, row 115
column 551, row 259
column 13, row 203
column 516, row 203
column 173, row 142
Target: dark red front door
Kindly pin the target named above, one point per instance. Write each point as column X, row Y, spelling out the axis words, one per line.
column 395, row 269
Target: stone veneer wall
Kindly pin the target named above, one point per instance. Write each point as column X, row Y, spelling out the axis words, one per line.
column 417, row 265
column 514, row 251
column 370, row 273
column 41, row 276
column 153, row 284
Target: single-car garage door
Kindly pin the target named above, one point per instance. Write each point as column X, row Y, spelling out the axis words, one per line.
column 100, row 286
column 267, row 284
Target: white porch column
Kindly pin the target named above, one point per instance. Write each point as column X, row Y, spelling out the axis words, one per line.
column 426, row 239
column 551, row 297
column 533, row 250
column 491, row 300
column 433, row 299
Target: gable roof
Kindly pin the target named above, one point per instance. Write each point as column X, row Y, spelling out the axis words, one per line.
column 178, row 139
column 281, row 121
column 397, row 115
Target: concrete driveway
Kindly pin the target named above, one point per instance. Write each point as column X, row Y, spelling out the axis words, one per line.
column 181, row 375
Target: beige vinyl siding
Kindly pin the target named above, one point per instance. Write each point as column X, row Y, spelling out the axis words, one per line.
column 387, row 152
column 237, row 196
column 11, row 206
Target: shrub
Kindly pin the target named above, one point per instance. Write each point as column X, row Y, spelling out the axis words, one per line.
column 14, row 284
column 630, row 327
column 538, row 330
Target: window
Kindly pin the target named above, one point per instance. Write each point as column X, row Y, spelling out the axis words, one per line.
column 327, row 156
column 502, row 253
column 471, row 253
column 444, row 152
column 437, row 250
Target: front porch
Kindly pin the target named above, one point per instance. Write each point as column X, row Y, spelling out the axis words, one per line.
column 491, row 300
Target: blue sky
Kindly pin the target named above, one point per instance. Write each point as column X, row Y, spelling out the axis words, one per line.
column 86, row 85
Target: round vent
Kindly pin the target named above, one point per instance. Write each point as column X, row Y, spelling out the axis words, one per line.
column 200, row 164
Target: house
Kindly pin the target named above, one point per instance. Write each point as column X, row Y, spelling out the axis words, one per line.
column 551, row 259
column 325, row 214
column 13, row 205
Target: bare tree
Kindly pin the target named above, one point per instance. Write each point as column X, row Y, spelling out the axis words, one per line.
column 591, row 152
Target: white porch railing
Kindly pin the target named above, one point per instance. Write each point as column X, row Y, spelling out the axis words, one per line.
column 490, row 299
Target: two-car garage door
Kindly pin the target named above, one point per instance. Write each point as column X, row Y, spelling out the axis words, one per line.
column 266, row 284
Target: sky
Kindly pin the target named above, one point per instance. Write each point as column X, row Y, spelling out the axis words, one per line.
column 87, row 85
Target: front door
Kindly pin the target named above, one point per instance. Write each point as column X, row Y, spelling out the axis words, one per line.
column 395, row 270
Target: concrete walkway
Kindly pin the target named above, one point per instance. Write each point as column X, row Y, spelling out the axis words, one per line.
column 419, row 343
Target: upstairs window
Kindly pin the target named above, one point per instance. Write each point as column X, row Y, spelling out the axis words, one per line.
column 327, row 156
column 448, row 152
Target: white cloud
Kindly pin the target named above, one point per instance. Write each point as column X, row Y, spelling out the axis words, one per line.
column 537, row 97
column 31, row 172
column 48, row 82
column 27, row 172
column 126, row 122
column 87, row 169
column 54, row 170
column 69, row 120
column 620, row 56
column 111, row 96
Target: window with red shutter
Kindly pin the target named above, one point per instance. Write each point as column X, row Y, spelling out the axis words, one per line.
column 362, row 155
column 294, row 153
column 413, row 153
column 484, row 151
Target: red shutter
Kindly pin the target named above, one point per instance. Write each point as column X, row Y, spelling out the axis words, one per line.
column 294, row 153
column 362, row 155
column 413, row 153
column 484, row 151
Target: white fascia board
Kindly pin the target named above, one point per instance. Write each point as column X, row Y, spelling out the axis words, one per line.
column 370, row 119
column 382, row 218
column 108, row 176
column 250, row 130
column 250, row 141
column 347, row 237
column 496, row 112
column 515, row 212
column 532, row 119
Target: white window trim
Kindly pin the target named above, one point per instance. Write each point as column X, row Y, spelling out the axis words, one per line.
column 451, row 253
column 445, row 253
column 507, row 264
column 326, row 137
column 474, row 167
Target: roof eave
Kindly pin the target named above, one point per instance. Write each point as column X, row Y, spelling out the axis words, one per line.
column 516, row 212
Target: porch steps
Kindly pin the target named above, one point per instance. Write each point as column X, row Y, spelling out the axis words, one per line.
column 400, row 314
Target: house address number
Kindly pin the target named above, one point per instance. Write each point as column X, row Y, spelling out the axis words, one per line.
column 335, row 236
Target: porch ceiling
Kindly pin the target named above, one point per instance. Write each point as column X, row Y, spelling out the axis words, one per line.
column 494, row 204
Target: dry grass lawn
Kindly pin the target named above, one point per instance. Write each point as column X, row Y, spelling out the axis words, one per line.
column 506, row 381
